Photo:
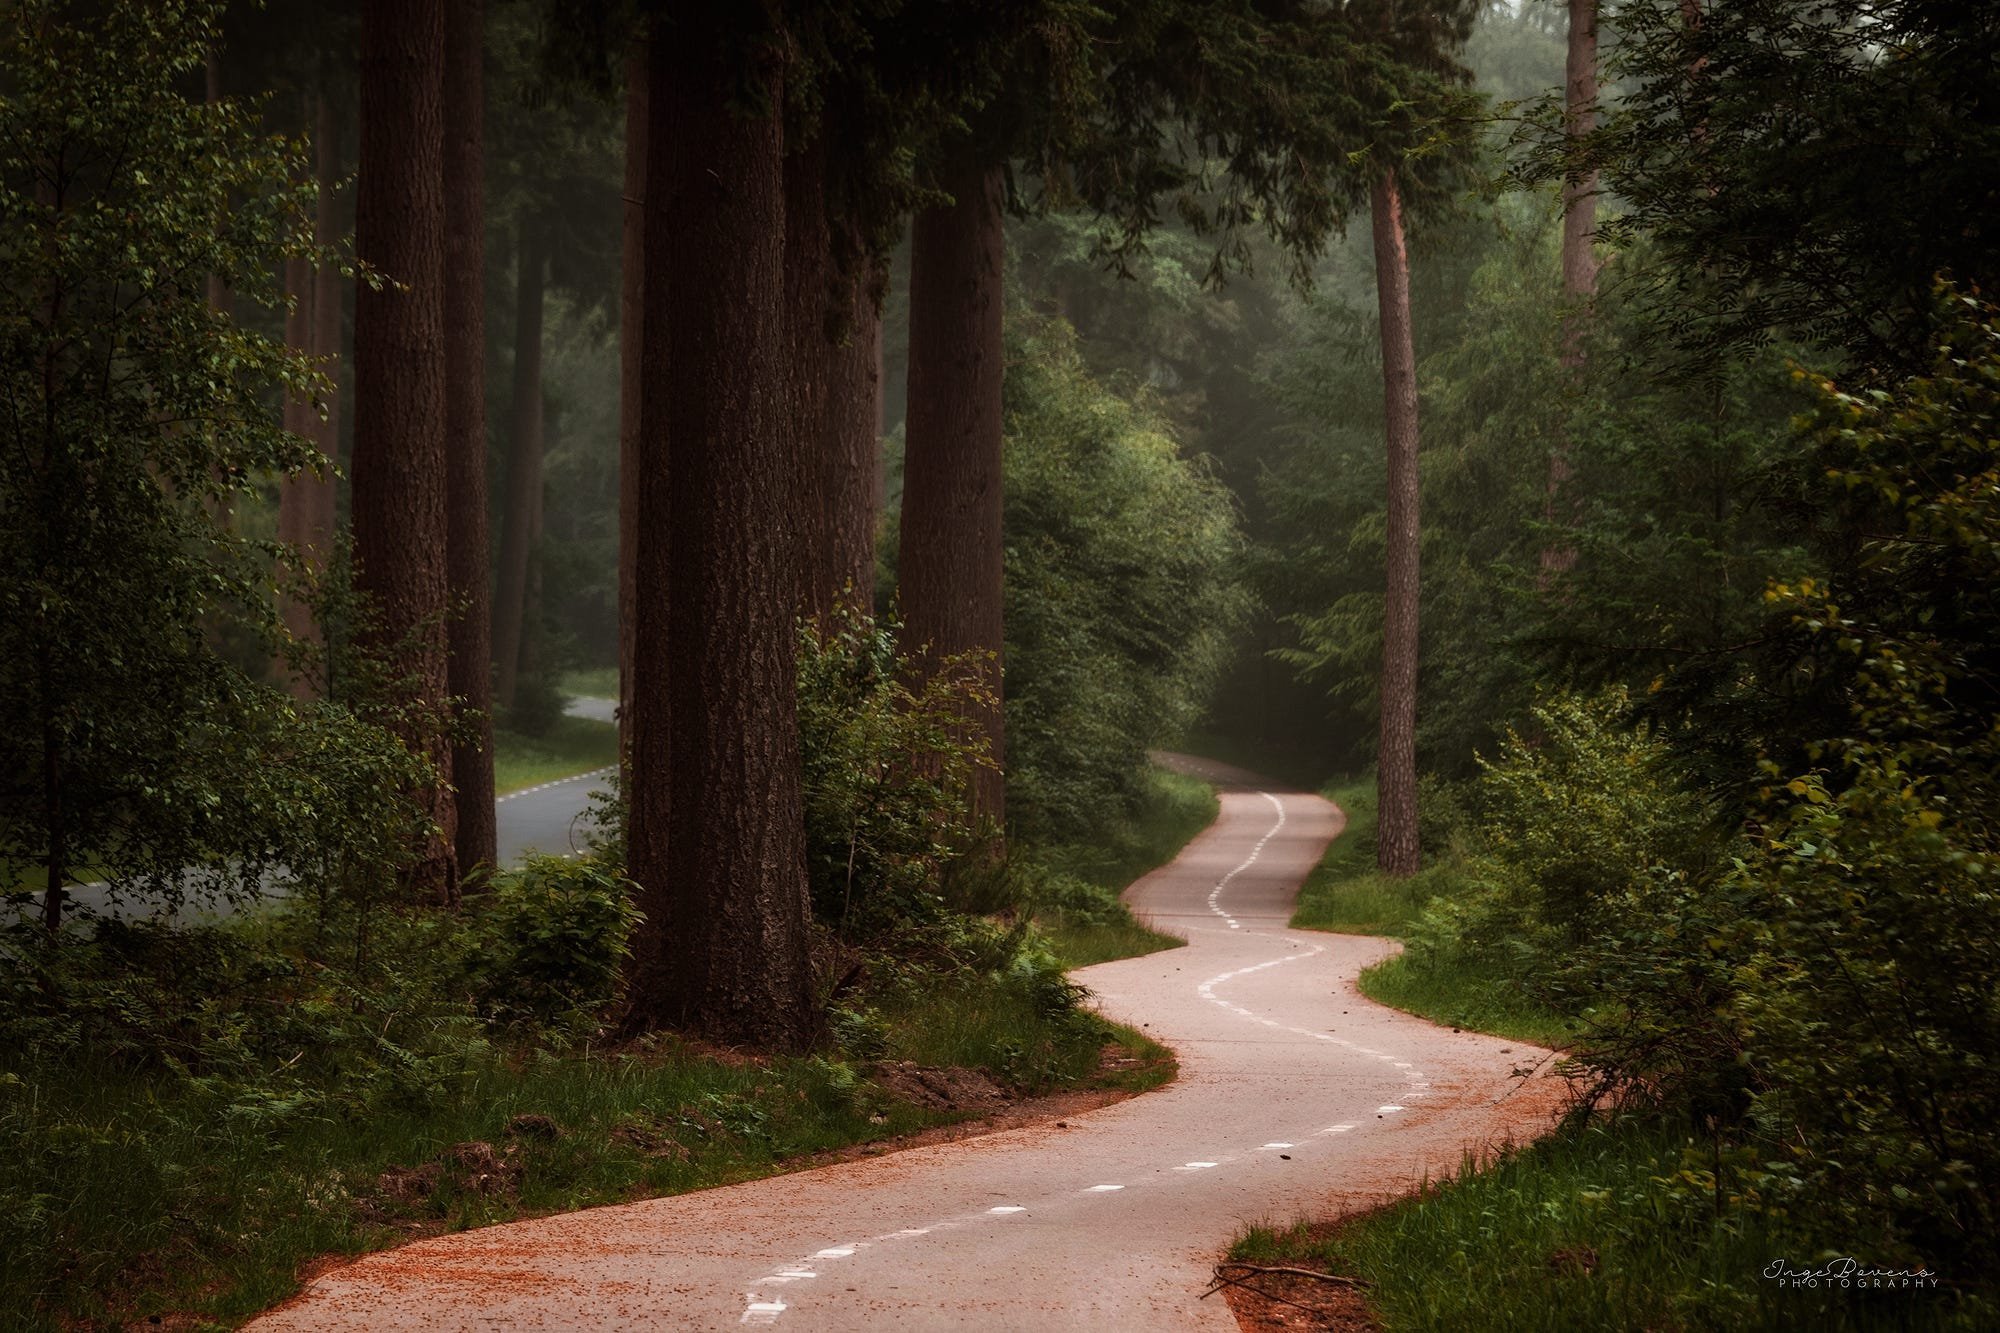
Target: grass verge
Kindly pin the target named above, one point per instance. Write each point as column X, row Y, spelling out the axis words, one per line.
column 1173, row 809
column 590, row 682
column 1346, row 893
column 573, row 745
column 1610, row 1228
column 129, row 1196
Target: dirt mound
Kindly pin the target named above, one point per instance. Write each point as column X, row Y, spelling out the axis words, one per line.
column 950, row 1089
column 474, row 1168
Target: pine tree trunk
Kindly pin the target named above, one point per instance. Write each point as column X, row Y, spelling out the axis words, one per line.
column 400, row 535
column 1579, row 262
column 809, row 333
column 306, row 501
column 631, row 328
column 1397, row 849
column 950, row 564
column 524, row 469
column 465, row 425
column 322, row 521
column 849, row 448
column 716, row 828
column 295, row 499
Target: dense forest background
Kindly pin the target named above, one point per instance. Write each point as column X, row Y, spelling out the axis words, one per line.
column 1569, row 430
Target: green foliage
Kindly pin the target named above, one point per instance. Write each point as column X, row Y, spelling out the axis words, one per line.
column 1808, row 169
column 1874, row 958
column 136, row 417
column 887, row 771
column 551, row 938
column 1115, row 636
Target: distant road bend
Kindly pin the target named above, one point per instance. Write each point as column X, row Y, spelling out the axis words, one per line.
column 1296, row 1096
column 549, row 818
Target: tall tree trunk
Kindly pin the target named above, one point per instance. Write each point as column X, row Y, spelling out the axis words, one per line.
column 400, row 535
column 848, row 442
column 951, row 560
column 1397, row 850
column 465, row 424
column 329, row 294
column 809, row 333
column 524, row 468
column 306, row 501
column 716, row 826
column 631, row 332
column 295, row 500
column 1579, row 263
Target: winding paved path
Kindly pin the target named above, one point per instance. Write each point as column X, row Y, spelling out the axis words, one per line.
column 1296, row 1096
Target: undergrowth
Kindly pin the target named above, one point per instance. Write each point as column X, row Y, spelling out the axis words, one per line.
column 1621, row 1226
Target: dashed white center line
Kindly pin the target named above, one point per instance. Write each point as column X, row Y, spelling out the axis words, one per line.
column 1007, row 1208
column 1103, row 1189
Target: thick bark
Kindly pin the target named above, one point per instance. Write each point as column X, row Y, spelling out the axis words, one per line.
column 1579, row 262
column 511, row 608
column 1397, row 850
column 400, row 535
column 631, row 331
column 950, row 564
column 465, row 425
column 842, row 534
column 810, row 330
column 716, row 829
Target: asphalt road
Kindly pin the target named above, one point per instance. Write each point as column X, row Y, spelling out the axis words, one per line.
column 551, row 818
column 1296, row 1097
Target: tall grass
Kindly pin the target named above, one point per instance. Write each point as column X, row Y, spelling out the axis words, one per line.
column 1610, row 1228
column 126, row 1195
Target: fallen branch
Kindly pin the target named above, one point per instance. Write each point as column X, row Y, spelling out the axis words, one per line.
column 1334, row 1278
column 1223, row 1280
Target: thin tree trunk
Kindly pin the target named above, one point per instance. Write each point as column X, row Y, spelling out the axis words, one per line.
column 1579, row 263
column 322, row 525
column 465, row 424
column 951, row 561
column 631, row 331
column 295, row 499
column 1397, row 849
column 524, row 468
column 716, row 827
column 400, row 535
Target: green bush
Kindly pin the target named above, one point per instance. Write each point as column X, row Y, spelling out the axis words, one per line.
column 886, row 773
column 550, row 941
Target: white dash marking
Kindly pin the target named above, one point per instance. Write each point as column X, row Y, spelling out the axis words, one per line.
column 1277, row 1145
column 1103, row 1189
column 837, row 1252
column 1195, row 1166
column 1336, row 1129
column 1008, row 1208
column 1384, row 1110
